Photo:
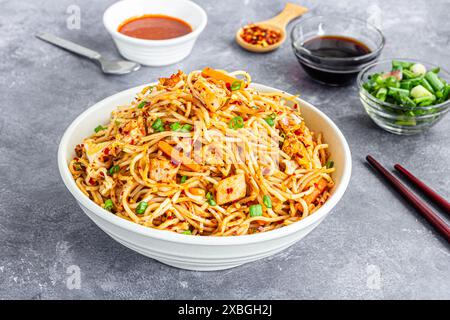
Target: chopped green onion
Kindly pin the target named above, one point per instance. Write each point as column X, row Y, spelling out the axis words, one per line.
column 108, row 205
column 114, row 169
column 210, row 199
column 381, row 94
column 188, row 232
column 158, row 125
column 418, row 69
column 434, row 81
column 236, row 85
column 142, row 104
column 424, row 82
column 425, row 101
column 117, row 123
column 270, row 119
column 100, row 128
column 403, row 64
column 183, row 179
column 209, row 195
column 436, row 70
column 330, row 164
column 212, row 202
column 402, row 92
column 186, row 128
column 141, row 207
column 267, row 201
column 175, row 126
column 420, row 91
column 236, row 123
column 256, row 210
column 409, row 74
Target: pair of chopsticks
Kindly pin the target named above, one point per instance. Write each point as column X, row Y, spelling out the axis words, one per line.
column 419, row 205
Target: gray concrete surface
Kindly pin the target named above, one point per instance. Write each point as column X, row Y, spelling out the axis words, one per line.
column 372, row 246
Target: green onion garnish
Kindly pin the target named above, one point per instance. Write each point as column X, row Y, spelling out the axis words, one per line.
column 188, row 232
column 141, row 207
column 267, row 201
column 100, row 128
column 158, row 125
column 186, row 128
column 236, row 123
column 183, row 179
column 270, row 119
column 142, row 104
column 108, row 205
column 114, row 169
column 256, row 210
column 175, row 126
column 236, row 85
column 330, row 164
column 210, row 199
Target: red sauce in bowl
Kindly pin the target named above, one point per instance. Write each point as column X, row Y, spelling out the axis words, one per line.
column 154, row 27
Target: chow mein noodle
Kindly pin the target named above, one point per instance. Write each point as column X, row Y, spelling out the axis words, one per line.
column 206, row 154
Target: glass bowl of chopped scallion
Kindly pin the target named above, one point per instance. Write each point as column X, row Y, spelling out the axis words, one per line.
column 404, row 96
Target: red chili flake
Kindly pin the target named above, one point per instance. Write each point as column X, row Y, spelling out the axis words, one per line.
column 229, row 190
column 170, row 217
column 91, row 181
column 280, row 222
column 297, row 132
column 106, row 151
column 260, row 36
column 120, row 130
column 316, row 186
column 228, row 86
column 280, row 112
column 132, row 141
column 102, row 174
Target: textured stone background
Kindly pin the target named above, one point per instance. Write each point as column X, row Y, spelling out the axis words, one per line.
column 43, row 231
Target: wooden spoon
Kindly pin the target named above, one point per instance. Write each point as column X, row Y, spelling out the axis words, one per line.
column 277, row 23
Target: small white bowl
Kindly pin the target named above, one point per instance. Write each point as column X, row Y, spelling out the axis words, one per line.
column 155, row 52
column 203, row 253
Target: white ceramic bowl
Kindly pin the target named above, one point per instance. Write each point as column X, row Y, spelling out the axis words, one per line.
column 196, row 252
column 155, row 52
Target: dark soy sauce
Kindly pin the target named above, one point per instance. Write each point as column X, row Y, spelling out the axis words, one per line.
column 321, row 64
column 336, row 47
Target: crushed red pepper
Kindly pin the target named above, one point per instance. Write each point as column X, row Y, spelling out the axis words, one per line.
column 260, row 36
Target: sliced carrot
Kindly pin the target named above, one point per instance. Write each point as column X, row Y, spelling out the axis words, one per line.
column 169, row 151
column 321, row 185
column 219, row 75
column 197, row 191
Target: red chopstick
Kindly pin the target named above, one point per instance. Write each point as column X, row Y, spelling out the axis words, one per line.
column 433, row 195
column 420, row 206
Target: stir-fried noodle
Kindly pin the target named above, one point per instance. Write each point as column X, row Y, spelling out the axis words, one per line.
column 205, row 154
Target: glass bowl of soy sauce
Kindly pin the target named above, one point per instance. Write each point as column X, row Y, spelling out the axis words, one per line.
column 334, row 49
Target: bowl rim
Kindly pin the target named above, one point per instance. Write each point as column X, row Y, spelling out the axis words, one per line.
column 133, row 227
column 146, row 42
column 362, row 73
column 368, row 56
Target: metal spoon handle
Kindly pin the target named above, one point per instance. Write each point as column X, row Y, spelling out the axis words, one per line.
column 69, row 46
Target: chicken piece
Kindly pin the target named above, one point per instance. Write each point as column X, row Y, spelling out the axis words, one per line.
column 132, row 131
column 231, row 189
column 173, row 80
column 210, row 94
column 290, row 166
column 162, row 170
